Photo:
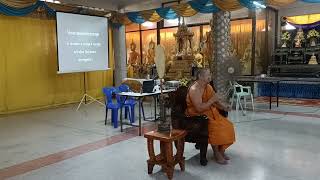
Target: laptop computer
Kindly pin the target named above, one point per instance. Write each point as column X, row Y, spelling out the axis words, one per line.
column 147, row 86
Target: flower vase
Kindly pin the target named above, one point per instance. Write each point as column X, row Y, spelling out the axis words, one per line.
column 313, row 42
column 284, row 44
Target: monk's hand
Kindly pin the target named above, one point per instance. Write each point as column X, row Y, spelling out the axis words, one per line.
column 227, row 107
column 214, row 99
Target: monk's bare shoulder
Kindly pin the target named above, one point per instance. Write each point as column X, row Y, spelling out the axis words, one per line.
column 193, row 89
column 194, row 92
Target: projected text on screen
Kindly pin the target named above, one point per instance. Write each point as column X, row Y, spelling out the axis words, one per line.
column 82, row 43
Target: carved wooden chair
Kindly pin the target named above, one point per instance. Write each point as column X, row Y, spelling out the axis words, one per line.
column 196, row 127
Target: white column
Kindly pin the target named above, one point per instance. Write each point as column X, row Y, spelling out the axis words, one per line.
column 120, row 62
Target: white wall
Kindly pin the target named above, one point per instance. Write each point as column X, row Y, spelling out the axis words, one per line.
column 300, row 8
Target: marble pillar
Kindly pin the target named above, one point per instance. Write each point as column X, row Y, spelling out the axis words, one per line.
column 120, row 62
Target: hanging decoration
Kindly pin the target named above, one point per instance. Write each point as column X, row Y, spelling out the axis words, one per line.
column 187, row 9
column 193, row 7
column 13, row 11
column 227, row 5
column 311, row 1
column 250, row 4
column 27, row 7
column 18, row 3
column 305, row 21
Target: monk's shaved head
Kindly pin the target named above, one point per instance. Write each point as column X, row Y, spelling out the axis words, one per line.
column 201, row 72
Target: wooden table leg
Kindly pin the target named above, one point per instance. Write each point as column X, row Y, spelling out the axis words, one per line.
column 176, row 144
column 169, row 160
column 180, row 151
column 152, row 160
column 163, row 155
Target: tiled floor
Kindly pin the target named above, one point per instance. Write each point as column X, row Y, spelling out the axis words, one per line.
column 281, row 144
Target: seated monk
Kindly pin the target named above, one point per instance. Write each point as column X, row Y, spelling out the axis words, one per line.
column 202, row 100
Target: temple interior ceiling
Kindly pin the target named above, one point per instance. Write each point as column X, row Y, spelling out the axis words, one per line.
column 138, row 5
column 123, row 5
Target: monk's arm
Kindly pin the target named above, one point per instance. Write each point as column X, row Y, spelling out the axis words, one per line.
column 220, row 106
column 196, row 98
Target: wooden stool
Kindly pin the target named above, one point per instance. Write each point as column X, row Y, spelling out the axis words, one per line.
column 166, row 159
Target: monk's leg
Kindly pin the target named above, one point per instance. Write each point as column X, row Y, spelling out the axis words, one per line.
column 217, row 155
column 222, row 151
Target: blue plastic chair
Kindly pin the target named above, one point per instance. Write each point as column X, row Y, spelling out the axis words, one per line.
column 108, row 92
column 129, row 103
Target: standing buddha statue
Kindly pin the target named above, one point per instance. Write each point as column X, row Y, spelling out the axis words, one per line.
column 299, row 38
column 151, row 53
column 133, row 55
column 245, row 61
column 133, row 60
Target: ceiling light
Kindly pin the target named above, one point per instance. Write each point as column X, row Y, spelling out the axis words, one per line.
column 259, row 5
column 175, row 21
column 147, row 24
column 108, row 15
column 288, row 27
column 52, row 1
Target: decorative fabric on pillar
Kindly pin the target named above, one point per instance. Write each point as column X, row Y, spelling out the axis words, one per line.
column 120, row 70
column 221, row 51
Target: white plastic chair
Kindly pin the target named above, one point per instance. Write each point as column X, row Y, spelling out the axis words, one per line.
column 239, row 92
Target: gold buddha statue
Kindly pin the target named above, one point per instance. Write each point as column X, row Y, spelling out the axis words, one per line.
column 208, row 49
column 299, row 38
column 151, row 53
column 133, row 55
column 198, row 59
column 245, row 61
column 130, row 72
column 313, row 59
column 183, row 37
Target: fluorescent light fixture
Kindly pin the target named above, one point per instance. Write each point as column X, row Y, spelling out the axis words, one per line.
column 147, row 24
column 108, row 15
column 264, row 29
column 259, row 5
column 289, row 27
column 52, row 1
column 175, row 21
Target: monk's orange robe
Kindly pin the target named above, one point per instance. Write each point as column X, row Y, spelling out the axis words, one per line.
column 220, row 129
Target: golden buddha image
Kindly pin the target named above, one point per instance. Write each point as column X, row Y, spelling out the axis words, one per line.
column 133, row 55
column 299, row 38
column 151, row 53
column 207, row 48
column 245, row 61
column 198, row 59
column 183, row 37
column 313, row 59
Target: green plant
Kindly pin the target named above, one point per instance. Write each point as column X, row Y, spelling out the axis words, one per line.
column 184, row 82
column 313, row 34
column 286, row 36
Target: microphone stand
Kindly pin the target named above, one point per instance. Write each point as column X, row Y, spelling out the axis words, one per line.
column 164, row 125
